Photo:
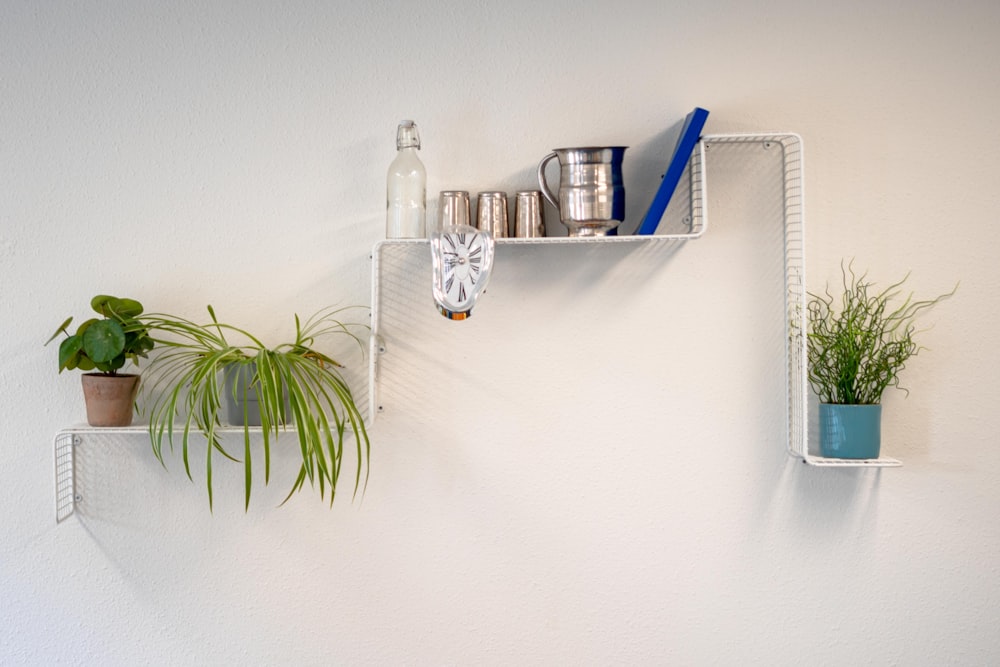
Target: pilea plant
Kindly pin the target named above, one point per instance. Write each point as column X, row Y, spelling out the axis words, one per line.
column 185, row 382
column 104, row 344
column 859, row 342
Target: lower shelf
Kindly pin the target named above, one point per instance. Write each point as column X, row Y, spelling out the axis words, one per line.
column 64, row 457
column 881, row 462
column 66, row 441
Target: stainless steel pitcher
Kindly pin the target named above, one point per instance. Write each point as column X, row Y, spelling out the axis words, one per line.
column 591, row 197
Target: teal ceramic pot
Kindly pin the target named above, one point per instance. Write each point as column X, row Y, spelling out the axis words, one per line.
column 850, row 431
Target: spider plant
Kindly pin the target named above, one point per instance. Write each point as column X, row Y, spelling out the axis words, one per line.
column 185, row 384
column 859, row 346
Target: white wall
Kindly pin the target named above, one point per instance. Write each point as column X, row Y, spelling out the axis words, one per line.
column 198, row 153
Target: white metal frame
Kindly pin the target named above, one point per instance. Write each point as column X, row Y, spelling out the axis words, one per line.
column 696, row 219
column 67, row 495
column 793, row 196
column 793, row 208
column 64, row 448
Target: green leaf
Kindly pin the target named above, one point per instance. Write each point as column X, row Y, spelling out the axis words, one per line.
column 113, row 365
column 69, row 353
column 103, row 340
column 112, row 306
column 61, row 329
column 82, row 329
column 126, row 308
column 99, row 304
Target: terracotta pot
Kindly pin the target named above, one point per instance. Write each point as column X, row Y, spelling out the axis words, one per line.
column 110, row 398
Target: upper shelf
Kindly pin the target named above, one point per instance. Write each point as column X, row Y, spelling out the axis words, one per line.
column 686, row 213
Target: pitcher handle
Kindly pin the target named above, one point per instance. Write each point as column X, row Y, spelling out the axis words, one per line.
column 541, row 180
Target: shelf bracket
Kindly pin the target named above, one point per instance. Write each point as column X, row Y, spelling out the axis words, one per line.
column 64, row 457
column 376, row 348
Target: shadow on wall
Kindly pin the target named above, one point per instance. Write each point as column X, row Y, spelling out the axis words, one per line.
column 823, row 507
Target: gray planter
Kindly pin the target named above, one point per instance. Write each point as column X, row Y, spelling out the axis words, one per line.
column 240, row 396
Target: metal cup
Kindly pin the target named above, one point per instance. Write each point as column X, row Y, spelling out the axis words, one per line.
column 453, row 208
column 492, row 213
column 528, row 222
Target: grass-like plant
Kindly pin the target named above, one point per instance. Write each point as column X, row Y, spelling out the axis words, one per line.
column 187, row 390
column 858, row 348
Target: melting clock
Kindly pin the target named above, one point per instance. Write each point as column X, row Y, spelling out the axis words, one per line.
column 462, row 258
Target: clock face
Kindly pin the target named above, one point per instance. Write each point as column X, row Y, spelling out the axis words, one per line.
column 462, row 259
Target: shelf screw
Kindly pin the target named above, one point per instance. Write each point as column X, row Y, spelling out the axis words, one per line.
column 78, row 498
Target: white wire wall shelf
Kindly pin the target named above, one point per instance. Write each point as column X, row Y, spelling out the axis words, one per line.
column 64, row 449
column 793, row 211
column 692, row 222
column 68, row 494
column 789, row 191
column 685, row 219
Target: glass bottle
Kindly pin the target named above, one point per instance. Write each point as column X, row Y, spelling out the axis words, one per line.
column 406, row 187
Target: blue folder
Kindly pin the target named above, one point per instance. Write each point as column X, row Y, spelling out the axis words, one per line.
column 690, row 134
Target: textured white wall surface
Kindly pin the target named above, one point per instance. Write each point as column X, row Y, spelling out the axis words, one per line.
column 613, row 487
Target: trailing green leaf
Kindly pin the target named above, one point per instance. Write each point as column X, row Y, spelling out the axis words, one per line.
column 184, row 384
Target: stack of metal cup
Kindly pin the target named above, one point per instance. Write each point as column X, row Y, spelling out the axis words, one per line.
column 491, row 214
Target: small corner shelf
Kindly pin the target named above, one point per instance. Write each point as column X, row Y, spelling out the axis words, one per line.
column 822, row 462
